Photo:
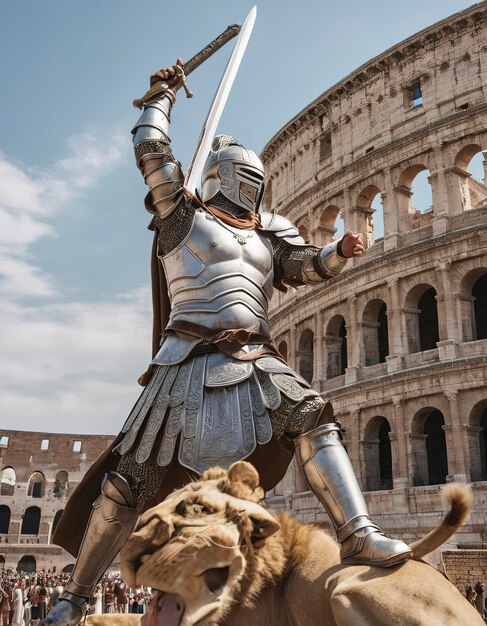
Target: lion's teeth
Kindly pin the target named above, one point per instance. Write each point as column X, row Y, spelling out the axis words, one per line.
column 144, row 558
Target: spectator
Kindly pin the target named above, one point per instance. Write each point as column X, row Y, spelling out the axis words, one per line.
column 4, row 606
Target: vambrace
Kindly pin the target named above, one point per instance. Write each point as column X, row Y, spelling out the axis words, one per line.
column 154, row 157
column 300, row 264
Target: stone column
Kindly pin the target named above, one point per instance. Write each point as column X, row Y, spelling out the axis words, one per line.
column 454, row 433
column 402, row 201
column 394, row 325
column 448, row 328
column 361, row 219
column 457, row 190
column 354, row 340
column 439, row 191
column 401, row 470
column 391, row 228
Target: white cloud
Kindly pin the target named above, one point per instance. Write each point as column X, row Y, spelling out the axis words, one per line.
column 73, row 367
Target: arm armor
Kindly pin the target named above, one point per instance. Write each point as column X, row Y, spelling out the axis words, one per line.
column 162, row 173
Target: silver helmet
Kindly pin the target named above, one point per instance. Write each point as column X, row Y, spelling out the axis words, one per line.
column 232, row 173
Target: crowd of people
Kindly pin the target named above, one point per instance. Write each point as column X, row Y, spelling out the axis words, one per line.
column 26, row 598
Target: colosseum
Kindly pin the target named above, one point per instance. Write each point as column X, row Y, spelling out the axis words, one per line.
column 39, row 473
column 398, row 341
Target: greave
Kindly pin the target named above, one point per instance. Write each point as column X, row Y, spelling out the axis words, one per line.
column 330, row 476
column 112, row 519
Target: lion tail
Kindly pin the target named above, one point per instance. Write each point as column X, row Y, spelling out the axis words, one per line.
column 460, row 499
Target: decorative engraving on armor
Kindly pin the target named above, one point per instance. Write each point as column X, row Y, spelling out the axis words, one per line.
column 225, row 430
column 174, row 421
column 272, row 395
column 172, row 230
column 157, row 415
column 151, row 388
column 274, row 366
column 221, row 371
column 180, row 387
column 195, row 390
column 144, row 480
column 289, row 387
column 263, row 427
column 166, row 451
column 302, row 412
column 154, row 147
column 190, row 423
column 186, row 453
column 256, row 397
column 129, row 439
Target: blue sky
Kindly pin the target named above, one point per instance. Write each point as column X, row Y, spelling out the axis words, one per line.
column 74, row 248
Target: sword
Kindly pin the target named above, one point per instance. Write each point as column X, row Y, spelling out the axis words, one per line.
column 193, row 174
column 158, row 87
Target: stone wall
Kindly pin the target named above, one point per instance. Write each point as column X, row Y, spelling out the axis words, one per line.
column 47, row 467
column 396, row 342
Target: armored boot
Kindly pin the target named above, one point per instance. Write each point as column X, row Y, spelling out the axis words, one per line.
column 330, row 476
column 112, row 519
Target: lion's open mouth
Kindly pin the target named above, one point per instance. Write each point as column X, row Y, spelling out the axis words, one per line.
column 167, row 609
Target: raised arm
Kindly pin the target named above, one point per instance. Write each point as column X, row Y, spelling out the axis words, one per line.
column 154, row 157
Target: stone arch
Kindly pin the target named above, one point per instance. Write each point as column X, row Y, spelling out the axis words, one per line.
column 31, row 521
column 2, row 561
column 7, row 481
column 336, row 347
column 306, row 354
column 61, row 484
column 473, row 191
column 4, row 519
column 67, row 569
column 377, row 454
column 55, row 521
column 421, row 315
column 477, row 440
column 27, row 564
column 375, row 332
column 472, row 299
column 371, row 217
column 331, row 224
column 303, row 227
column 283, row 349
column 429, row 452
column 413, row 197
column 36, row 485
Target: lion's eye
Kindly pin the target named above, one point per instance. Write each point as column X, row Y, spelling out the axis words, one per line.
column 187, row 508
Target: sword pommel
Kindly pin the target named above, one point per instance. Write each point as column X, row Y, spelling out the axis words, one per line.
column 199, row 58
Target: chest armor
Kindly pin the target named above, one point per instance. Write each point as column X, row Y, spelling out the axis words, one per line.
column 219, row 277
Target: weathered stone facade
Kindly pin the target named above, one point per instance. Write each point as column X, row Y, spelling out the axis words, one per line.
column 46, row 469
column 398, row 341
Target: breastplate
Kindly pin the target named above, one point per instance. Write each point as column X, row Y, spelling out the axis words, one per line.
column 220, row 276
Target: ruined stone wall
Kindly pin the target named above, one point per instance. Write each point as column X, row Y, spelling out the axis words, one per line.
column 396, row 342
column 43, row 479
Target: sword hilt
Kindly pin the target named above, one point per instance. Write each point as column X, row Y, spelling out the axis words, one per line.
column 199, row 58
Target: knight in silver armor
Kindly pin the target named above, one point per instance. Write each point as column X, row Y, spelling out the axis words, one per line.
column 217, row 390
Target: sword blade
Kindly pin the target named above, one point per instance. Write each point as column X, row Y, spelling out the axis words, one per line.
column 193, row 174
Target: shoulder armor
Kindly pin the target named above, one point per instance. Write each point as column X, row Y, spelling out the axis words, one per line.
column 281, row 227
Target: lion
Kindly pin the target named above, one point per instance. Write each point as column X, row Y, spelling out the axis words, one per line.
column 215, row 557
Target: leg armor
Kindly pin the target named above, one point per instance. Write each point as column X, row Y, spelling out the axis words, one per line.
column 330, row 476
column 112, row 520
